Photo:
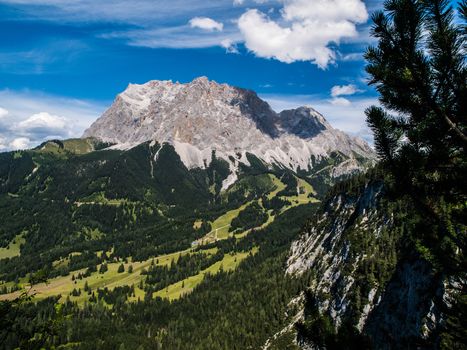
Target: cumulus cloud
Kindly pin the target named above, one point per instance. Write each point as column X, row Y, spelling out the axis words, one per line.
column 206, row 23
column 44, row 125
column 229, row 45
column 35, row 117
column 343, row 90
column 20, row 143
column 305, row 30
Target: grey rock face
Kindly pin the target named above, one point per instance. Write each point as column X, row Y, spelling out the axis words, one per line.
column 400, row 306
column 202, row 116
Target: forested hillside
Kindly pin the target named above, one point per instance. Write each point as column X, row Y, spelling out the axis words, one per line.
column 92, row 232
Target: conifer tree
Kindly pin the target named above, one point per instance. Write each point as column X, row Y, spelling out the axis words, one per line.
column 419, row 70
column 121, row 268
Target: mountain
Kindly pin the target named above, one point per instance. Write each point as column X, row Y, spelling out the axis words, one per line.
column 203, row 116
column 168, row 224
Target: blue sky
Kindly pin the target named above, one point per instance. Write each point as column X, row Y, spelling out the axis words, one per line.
column 63, row 61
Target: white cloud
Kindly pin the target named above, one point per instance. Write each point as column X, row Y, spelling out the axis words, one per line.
column 3, row 112
column 340, row 101
column 38, row 117
column 241, row 2
column 3, row 144
column 175, row 37
column 206, row 23
column 138, row 12
column 20, row 143
column 305, row 30
column 297, row 30
column 354, row 56
column 332, row 11
column 44, row 124
column 144, row 23
column 229, row 45
column 343, row 90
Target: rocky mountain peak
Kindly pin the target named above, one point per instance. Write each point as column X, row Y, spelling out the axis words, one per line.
column 202, row 116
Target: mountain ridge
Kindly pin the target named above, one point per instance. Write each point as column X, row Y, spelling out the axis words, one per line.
column 203, row 116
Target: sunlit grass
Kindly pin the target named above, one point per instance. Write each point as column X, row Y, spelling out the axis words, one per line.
column 228, row 263
column 13, row 248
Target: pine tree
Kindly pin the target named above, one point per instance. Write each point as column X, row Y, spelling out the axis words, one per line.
column 103, row 268
column 121, row 268
column 419, row 70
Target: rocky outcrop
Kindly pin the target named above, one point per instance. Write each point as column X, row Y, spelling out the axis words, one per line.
column 362, row 278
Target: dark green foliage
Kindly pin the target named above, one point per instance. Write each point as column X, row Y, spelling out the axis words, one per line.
column 419, row 70
column 291, row 185
column 318, row 329
column 159, row 277
column 249, row 188
column 275, row 204
column 250, row 217
column 153, row 218
column 117, row 296
column 320, row 175
column 103, row 268
column 14, row 168
column 420, row 138
column 455, row 333
column 256, row 167
column 424, row 80
column 23, row 326
column 236, row 310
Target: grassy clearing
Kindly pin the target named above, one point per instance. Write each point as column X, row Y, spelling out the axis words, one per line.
column 75, row 146
column 181, row 288
column 13, row 248
column 279, row 186
column 220, row 227
column 99, row 198
column 78, row 146
column 64, row 285
column 304, row 194
column 197, row 224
